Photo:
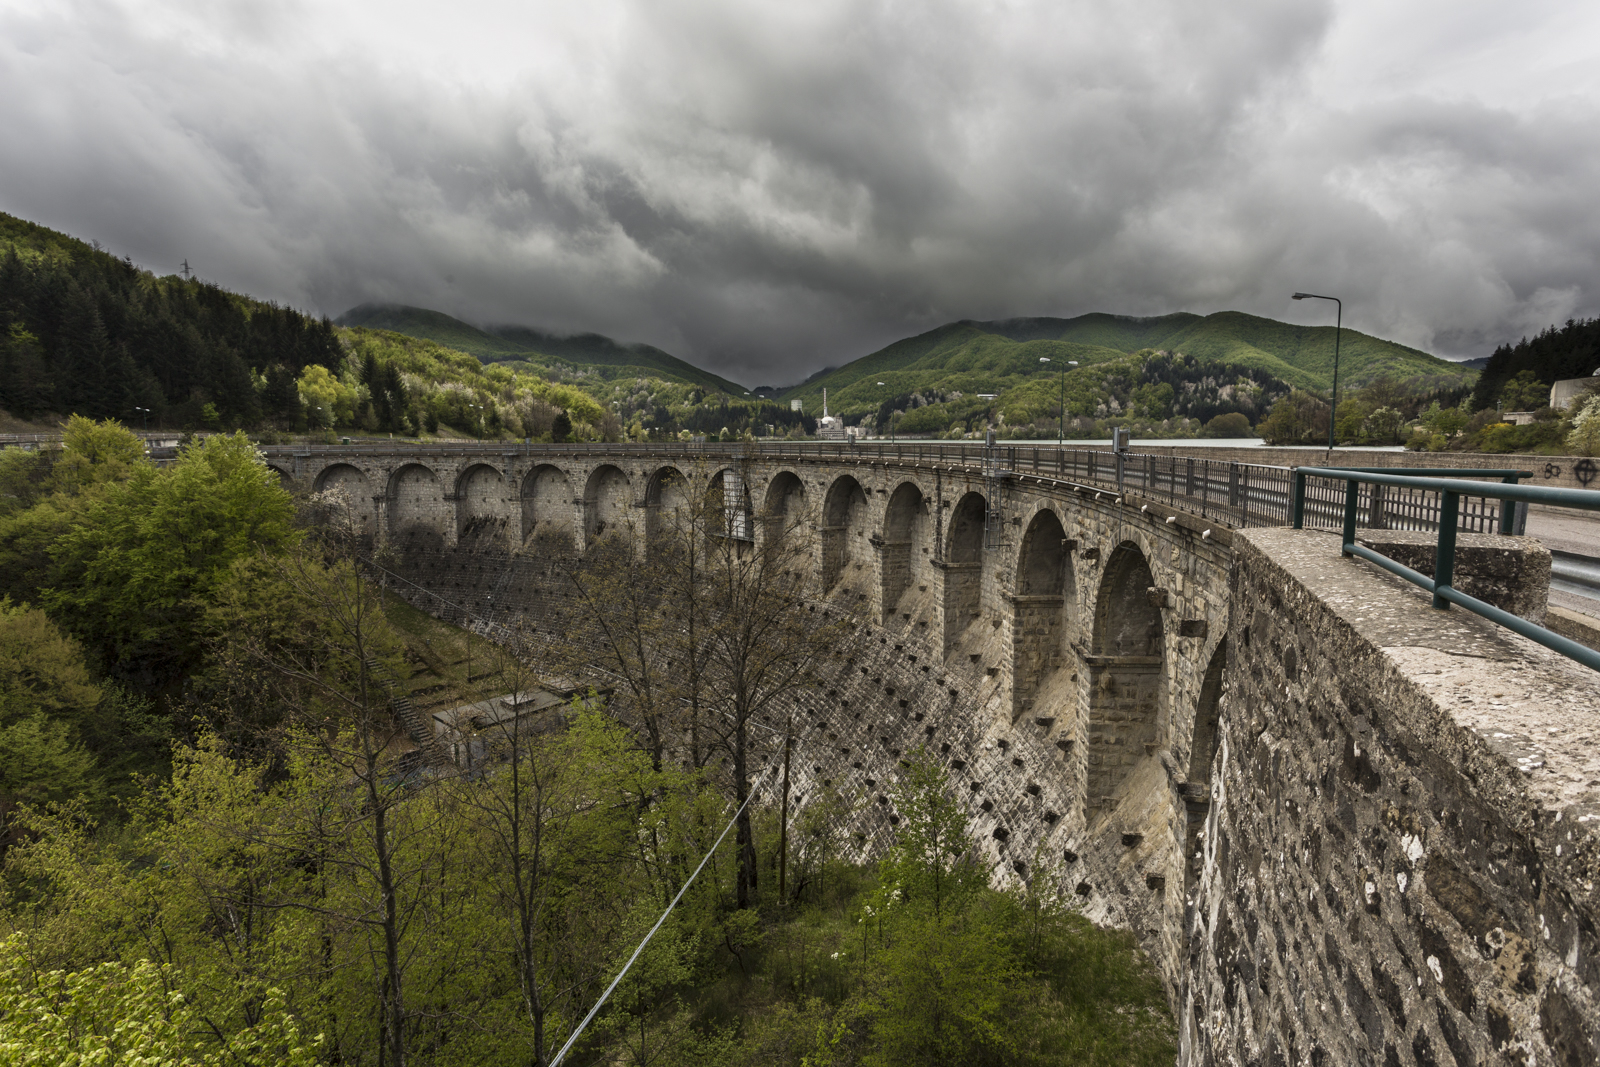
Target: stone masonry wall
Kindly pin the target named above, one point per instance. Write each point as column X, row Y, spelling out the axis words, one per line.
column 1400, row 858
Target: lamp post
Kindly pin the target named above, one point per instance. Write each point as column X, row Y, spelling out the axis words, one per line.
column 891, row 422
column 1061, row 414
column 144, row 413
column 1338, row 324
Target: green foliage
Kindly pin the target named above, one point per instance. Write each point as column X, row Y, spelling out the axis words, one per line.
column 992, row 357
column 1584, row 440
column 1530, row 367
column 1524, row 392
column 549, row 354
column 139, row 565
column 82, row 331
column 1232, row 424
column 46, row 699
column 113, row 1013
column 1297, row 419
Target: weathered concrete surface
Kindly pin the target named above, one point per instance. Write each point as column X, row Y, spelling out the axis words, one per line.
column 1584, row 629
column 1400, row 860
column 1511, row 573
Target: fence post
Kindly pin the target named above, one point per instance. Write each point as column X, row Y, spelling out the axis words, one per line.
column 1508, row 508
column 1351, row 497
column 1444, row 561
column 1299, row 517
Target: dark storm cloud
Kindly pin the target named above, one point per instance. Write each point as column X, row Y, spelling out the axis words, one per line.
column 769, row 188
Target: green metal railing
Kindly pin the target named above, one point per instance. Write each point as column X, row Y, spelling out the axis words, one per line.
column 1451, row 486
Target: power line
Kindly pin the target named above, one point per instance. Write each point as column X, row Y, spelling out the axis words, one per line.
column 587, row 1019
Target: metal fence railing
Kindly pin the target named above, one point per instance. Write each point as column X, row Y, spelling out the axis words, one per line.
column 1239, row 495
column 1450, row 493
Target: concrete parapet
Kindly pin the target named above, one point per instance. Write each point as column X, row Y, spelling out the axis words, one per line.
column 1511, row 573
column 1400, row 860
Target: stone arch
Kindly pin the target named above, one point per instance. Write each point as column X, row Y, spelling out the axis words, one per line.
column 355, row 492
column 1043, row 600
column 728, row 509
column 416, row 504
column 1127, row 674
column 963, row 567
column 1202, row 754
column 905, row 530
column 285, row 479
column 483, row 511
column 844, row 521
column 547, row 504
column 605, row 503
column 667, row 499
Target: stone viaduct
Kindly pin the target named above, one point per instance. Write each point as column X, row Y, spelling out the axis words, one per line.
column 1265, row 760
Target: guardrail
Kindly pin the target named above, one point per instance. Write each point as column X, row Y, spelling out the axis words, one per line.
column 1450, row 493
column 1239, row 495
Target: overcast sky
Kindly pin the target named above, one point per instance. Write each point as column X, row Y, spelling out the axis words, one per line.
column 769, row 187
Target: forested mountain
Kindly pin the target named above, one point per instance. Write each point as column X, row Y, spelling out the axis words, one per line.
column 84, row 331
column 588, row 352
column 976, row 356
column 1568, row 351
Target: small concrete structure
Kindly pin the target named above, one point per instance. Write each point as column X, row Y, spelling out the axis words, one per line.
column 1564, row 392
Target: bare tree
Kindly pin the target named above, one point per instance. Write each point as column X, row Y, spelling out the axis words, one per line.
column 711, row 632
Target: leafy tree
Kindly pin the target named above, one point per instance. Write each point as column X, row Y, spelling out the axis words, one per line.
column 138, row 568
column 113, row 1013
column 1232, row 424
column 1584, row 440
column 561, row 429
column 1524, row 392
column 46, row 698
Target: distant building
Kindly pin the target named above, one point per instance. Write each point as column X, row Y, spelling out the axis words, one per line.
column 1564, row 392
column 797, row 405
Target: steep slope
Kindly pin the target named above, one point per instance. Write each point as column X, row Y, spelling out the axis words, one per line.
column 990, row 357
column 590, row 351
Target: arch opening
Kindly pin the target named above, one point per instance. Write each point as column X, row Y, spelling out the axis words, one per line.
column 728, row 510
column 1127, row 675
column 963, row 567
column 844, row 520
column 483, row 512
column 347, row 488
column 1044, row 597
column 547, row 506
column 605, row 503
column 905, row 524
column 416, row 506
column 666, row 501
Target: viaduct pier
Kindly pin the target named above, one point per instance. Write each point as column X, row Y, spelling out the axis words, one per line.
column 1349, row 828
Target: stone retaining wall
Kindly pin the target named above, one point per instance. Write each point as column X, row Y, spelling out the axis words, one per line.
column 1400, row 860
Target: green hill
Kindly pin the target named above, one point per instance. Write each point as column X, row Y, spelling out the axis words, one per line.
column 992, row 357
column 542, row 352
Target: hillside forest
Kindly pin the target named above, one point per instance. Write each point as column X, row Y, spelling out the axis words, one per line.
column 217, row 848
column 82, row 331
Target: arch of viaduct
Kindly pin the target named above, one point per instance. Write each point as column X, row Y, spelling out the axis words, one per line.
column 1091, row 632
column 1201, row 731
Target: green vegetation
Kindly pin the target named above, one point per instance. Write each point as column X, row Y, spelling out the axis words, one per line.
column 543, row 353
column 989, row 356
column 84, row 332
column 1518, row 377
column 218, row 846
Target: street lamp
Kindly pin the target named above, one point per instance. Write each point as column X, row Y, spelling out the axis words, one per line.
column 1061, row 416
column 1338, row 323
column 144, row 414
column 891, row 422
